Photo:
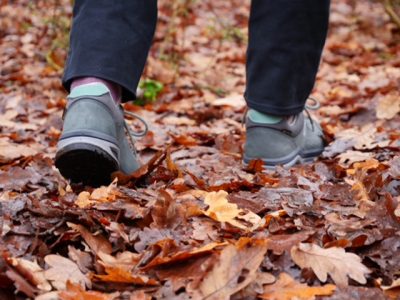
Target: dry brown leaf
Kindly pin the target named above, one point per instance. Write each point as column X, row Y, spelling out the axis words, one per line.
column 32, row 272
column 10, row 151
column 62, row 270
column 183, row 255
column 388, row 107
column 75, row 292
column 333, row 261
column 236, row 101
column 179, row 121
column 120, row 275
column 48, row 296
column 222, row 211
column 346, row 159
column 370, row 164
column 124, row 260
column 236, row 268
column 286, row 288
column 97, row 243
column 397, row 209
column 101, row 194
column 362, row 193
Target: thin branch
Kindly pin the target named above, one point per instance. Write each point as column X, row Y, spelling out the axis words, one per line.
column 388, row 4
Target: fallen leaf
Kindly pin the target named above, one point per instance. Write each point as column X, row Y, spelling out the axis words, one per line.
column 286, row 288
column 32, row 272
column 236, row 101
column 10, row 151
column 120, row 275
column 388, row 106
column 82, row 259
column 333, row 261
column 75, row 292
column 370, row 164
column 222, row 211
column 97, row 243
column 61, row 270
column 125, row 260
column 99, row 195
column 346, row 159
column 236, row 268
column 182, row 255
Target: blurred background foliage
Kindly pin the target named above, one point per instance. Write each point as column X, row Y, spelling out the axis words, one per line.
column 174, row 14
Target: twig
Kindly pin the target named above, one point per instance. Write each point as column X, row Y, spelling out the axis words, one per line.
column 388, row 4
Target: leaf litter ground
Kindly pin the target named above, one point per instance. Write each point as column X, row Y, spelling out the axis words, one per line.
column 193, row 223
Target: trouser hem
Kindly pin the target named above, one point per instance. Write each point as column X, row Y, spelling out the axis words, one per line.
column 128, row 91
column 274, row 110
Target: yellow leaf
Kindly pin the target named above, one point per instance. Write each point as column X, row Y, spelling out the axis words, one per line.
column 370, row 164
column 286, row 288
column 333, row 261
column 222, row 211
column 101, row 194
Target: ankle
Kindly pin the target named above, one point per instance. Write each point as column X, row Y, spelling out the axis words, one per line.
column 263, row 118
column 114, row 88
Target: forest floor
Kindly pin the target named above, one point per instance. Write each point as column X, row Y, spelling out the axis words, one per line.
column 193, row 223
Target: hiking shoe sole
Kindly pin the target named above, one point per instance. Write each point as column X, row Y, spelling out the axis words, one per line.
column 87, row 160
column 286, row 162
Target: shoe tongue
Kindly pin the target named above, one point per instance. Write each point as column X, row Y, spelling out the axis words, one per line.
column 262, row 118
column 89, row 89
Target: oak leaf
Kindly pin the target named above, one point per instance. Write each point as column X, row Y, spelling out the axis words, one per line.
column 286, row 288
column 333, row 261
column 62, row 270
column 236, row 268
column 346, row 159
column 222, row 211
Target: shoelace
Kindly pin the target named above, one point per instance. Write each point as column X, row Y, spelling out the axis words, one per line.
column 314, row 106
column 131, row 133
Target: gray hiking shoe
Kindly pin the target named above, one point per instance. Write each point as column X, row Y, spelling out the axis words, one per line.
column 93, row 143
column 285, row 141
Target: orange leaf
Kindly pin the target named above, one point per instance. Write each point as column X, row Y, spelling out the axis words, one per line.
column 123, row 276
column 286, row 288
column 221, row 210
column 75, row 291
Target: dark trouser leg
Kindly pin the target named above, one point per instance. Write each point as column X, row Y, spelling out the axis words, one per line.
column 286, row 38
column 111, row 40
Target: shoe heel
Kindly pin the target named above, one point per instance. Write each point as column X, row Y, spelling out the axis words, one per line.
column 87, row 160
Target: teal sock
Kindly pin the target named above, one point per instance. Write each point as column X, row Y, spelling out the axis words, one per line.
column 89, row 89
column 263, row 118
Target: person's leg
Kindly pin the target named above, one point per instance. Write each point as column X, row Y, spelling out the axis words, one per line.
column 110, row 41
column 286, row 38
